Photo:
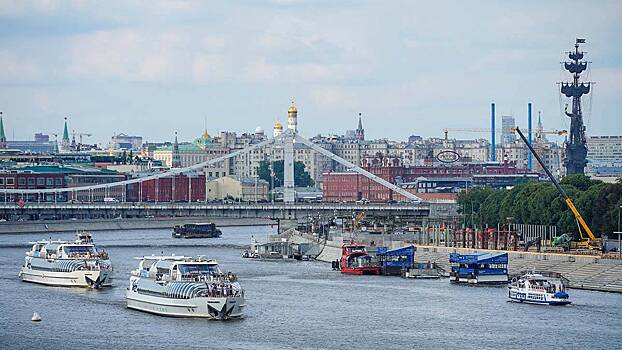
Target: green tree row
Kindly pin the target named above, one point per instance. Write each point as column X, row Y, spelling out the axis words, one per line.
column 539, row 203
column 301, row 176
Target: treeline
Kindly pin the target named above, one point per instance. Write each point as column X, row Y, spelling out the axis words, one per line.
column 540, row 203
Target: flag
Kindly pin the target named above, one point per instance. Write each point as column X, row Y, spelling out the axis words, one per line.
column 580, row 41
column 21, row 203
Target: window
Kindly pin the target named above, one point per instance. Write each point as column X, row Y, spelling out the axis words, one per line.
column 50, row 181
column 1, row 181
column 58, row 181
column 21, row 181
column 31, row 181
column 40, row 181
column 10, row 181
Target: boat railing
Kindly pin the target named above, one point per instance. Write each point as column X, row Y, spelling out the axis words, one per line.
column 220, row 291
column 98, row 255
column 197, row 277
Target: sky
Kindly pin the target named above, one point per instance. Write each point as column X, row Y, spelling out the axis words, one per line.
column 151, row 68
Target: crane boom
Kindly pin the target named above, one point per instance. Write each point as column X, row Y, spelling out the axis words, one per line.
column 581, row 223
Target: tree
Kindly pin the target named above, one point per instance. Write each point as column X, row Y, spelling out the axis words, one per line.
column 579, row 181
column 540, row 203
column 301, row 177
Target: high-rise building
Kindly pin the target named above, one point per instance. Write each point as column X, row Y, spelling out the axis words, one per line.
column 604, row 155
column 41, row 137
column 507, row 134
column 126, row 142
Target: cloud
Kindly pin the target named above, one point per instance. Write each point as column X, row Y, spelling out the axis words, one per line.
column 17, row 67
column 144, row 55
column 335, row 97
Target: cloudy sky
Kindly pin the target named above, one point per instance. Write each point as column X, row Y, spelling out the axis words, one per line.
column 411, row 67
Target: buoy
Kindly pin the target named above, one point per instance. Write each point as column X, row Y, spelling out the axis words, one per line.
column 36, row 317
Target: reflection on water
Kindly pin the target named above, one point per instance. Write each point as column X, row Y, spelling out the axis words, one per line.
column 289, row 305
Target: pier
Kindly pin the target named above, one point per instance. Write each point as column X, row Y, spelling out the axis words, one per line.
column 583, row 271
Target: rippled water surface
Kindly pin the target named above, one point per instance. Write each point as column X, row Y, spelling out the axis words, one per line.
column 300, row 305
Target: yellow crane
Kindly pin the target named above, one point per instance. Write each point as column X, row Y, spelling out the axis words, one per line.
column 590, row 242
column 359, row 217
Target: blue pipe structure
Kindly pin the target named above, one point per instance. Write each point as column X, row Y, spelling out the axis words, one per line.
column 492, row 128
column 529, row 161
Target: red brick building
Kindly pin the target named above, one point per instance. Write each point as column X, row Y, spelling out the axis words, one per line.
column 181, row 188
column 350, row 186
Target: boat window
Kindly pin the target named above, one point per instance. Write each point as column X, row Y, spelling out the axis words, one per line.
column 79, row 249
column 198, row 269
column 355, row 249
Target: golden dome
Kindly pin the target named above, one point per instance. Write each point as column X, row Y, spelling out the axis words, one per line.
column 292, row 109
column 278, row 125
column 205, row 135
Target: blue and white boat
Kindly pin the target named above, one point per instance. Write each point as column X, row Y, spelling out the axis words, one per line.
column 184, row 287
column 539, row 288
column 67, row 264
column 477, row 268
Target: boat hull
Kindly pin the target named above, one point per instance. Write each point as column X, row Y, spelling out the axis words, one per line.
column 217, row 308
column 361, row 271
column 543, row 298
column 479, row 279
column 81, row 278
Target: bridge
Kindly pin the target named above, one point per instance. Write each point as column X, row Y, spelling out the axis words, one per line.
column 406, row 212
column 289, row 209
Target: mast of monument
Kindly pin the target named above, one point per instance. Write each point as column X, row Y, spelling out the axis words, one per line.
column 576, row 146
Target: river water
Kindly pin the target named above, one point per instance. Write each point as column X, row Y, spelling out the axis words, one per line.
column 291, row 305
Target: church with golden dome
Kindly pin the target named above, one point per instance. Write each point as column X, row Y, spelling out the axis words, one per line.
column 292, row 118
column 278, row 129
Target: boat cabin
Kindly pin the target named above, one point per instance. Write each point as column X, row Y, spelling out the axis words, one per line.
column 355, row 260
column 63, row 250
column 179, row 268
column 394, row 261
column 479, row 267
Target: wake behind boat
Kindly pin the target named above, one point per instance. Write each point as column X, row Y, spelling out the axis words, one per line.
column 67, row 264
column 184, row 287
column 539, row 288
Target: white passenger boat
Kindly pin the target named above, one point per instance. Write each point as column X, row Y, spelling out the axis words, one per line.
column 67, row 264
column 184, row 287
column 539, row 288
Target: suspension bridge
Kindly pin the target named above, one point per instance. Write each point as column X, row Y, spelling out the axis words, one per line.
column 415, row 210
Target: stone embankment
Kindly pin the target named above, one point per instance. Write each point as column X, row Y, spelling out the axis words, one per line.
column 582, row 271
column 12, row 227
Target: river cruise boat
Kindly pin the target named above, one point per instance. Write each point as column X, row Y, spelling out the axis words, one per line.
column 478, row 268
column 184, row 287
column 355, row 260
column 67, row 263
column 539, row 288
column 204, row 230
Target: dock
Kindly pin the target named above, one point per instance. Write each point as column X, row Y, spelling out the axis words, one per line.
column 582, row 271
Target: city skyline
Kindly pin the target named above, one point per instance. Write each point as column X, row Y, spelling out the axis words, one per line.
column 150, row 70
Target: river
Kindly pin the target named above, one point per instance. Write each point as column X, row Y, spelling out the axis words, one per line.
column 290, row 305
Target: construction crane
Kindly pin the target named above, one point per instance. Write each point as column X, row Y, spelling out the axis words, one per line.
column 80, row 134
column 359, row 217
column 590, row 242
